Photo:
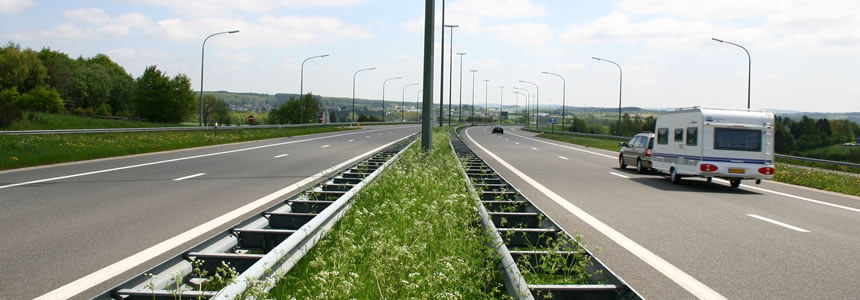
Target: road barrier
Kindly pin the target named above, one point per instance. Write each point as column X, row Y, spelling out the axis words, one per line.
column 189, row 128
column 532, row 245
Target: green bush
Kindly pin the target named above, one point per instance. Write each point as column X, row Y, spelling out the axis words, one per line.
column 41, row 99
column 103, row 110
column 9, row 112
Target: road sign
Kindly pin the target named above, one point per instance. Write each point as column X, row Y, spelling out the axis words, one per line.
column 552, row 120
column 251, row 119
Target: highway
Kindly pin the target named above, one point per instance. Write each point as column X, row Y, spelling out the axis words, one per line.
column 64, row 222
column 696, row 239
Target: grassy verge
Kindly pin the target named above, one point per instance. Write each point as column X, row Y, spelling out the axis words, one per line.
column 33, row 150
column 43, row 121
column 412, row 234
column 785, row 173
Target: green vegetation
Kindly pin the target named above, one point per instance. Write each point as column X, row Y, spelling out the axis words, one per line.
column 822, row 180
column 818, row 165
column 412, row 234
column 33, row 150
column 821, row 138
column 44, row 121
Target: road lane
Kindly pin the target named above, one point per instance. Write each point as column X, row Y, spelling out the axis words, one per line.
column 60, row 230
column 702, row 228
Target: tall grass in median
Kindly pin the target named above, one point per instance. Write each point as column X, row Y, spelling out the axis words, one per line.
column 17, row 151
column 413, row 233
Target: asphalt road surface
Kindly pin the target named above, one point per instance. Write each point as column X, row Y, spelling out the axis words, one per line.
column 61, row 223
column 696, row 239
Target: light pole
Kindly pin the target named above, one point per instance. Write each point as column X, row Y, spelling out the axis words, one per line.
column 383, row 95
column 563, row 95
column 460, row 118
column 749, row 67
column 501, row 102
column 441, row 67
column 302, row 88
column 427, row 76
column 486, row 97
column 403, row 101
column 417, row 109
column 528, row 96
column 353, row 90
column 472, row 114
column 450, row 71
column 537, row 103
column 620, row 80
column 202, row 56
column 516, row 103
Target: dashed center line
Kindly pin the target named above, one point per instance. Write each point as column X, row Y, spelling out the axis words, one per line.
column 619, row 175
column 367, row 137
column 189, row 176
column 562, row 157
column 795, row 228
column 533, row 148
column 378, row 134
column 517, row 143
column 279, row 156
column 325, row 146
column 350, row 141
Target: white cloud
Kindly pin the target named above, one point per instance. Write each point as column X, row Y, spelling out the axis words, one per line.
column 526, row 34
column 88, row 15
column 226, row 8
column 11, row 6
column 497, row 8
column 68, row 31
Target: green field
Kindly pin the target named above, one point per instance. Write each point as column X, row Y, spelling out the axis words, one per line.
column 20, row 151
column 412, row 234
column 43, row 121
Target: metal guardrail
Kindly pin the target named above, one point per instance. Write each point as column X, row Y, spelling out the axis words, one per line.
column 781, row 156
column 262, row 248
column 188, row 128
column 527, row 238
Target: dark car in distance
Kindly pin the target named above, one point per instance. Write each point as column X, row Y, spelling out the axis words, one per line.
column 499, row 129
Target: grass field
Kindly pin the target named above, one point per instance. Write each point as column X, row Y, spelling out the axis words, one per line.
column 43, row 121
column 786, row 173
column 33, row 150
column 412, row 234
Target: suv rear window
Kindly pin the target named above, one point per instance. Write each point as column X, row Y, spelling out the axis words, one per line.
column 737, row 139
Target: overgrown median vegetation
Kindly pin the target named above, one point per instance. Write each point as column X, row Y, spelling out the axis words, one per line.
column 786, row 173
column 413, row 233
column 33, row 150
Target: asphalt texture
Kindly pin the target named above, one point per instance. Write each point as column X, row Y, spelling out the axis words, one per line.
column 704, row 229
column 57, row 231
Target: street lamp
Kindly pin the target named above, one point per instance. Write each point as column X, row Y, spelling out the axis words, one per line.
column 460, row 118
column 450, row 70
column 441, row 65
column 620, row 80
column 383, row 95
column 749, row 67
column 202, row 56
column 528, row 97
column 353, row 90
column 517, row 103
column 501, row 102
column 302, row 88
column 563, row 94
column 486, row 97
column 472, row 114
column 537, row 103
column 403, row 101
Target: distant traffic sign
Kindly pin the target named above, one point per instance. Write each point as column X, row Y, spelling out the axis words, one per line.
column 251, row 119
column 552, row 120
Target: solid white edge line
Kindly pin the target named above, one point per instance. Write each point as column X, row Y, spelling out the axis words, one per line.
column 176, row 159
column 563, row 146
column 562, row 157
column 189, row 177
column 683, row 279
column 793, row 196
column 795, row 228
column 279, row 156
column 93, row 279
column 619, row 175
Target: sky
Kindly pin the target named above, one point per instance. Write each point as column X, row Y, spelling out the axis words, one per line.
column 805, row 54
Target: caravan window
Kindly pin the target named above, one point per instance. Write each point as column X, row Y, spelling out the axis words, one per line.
column 737, row 139
column 679, row 134
column 662, row 136
column 692, row 136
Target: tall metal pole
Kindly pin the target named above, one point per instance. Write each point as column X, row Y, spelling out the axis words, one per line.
column 383, row 95
column 528, row 96
column 302, row 88
column 516, row 104
column 537, row 103
column 450, row 71
column 486, row 101
column 620, row 80
column 749, row 67
column 501, row 102
column 441, row 66
column 202, row 55
column 427, row 108
column 353, row 90
column 403, row 101
column 418, row 108
column 472, row 114
column 460, row 118
column 563, row 95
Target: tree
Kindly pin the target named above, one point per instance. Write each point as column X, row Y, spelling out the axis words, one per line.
column 91, row 87
column 20, row 69
column 162, row 99
column 783, row 141
column 9, row 112
column 215, row 109
column 121, row 83
column 289, row 112
column 61, row 70
column 41, row 99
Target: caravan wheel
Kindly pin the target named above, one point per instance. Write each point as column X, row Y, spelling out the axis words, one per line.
column 674, row 177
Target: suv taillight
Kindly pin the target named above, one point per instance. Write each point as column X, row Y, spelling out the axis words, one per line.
column 648, row 153
column 708, row 168
column 765, row 170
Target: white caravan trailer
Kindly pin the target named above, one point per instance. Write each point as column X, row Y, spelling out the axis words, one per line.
column 722, row 143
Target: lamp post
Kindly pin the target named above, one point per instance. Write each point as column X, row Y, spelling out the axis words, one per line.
column 516, row 102
column 441, row 66
column 563, row 95
column 472, row 114
column 427, row 76
column 302, row 88
column 383, row 95
column 417, row 109
column 501, row 102
column 450, row 70
column 749, row 67
column 403, row 101
column 528, row 96
column 353, row 90
column 202, row 56
column 620, row 80
column 486, row 97
column 537, row 103
column 460, row 117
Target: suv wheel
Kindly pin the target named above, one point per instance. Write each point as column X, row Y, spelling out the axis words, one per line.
column 621, row 162
column 639, row 168
column 674, row 177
